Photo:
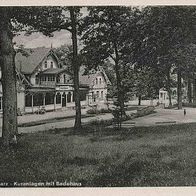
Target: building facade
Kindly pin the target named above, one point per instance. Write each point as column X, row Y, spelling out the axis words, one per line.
column 164, row 97
column 43, row 82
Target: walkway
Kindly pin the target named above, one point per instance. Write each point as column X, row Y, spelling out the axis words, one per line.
column 29, row 118
column 161, row 117
column 60, row 122
column 164, row 117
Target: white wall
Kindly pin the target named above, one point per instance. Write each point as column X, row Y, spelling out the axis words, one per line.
column 21, row 100
column 99, row 87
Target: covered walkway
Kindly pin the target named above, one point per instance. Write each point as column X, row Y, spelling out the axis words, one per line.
column 47, row 98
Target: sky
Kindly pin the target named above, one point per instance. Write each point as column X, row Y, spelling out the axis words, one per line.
column 39, row 40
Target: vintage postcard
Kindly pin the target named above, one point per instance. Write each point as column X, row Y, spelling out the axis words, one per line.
column 97, row 97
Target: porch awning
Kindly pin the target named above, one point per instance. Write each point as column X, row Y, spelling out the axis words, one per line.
column 35, row 90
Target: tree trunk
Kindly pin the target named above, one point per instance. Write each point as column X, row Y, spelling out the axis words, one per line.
column 189, row 93
column 170, row 98
column 179, row 78
column 76, row 67
column 9, row 129
column 169, row 87
column 120, row 93
column 194, row 90
column 139, row 99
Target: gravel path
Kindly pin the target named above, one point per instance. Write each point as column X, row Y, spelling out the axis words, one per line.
column 161, row 117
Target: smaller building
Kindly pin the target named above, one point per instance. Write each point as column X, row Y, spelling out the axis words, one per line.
column 164, row 97
column 97, row 84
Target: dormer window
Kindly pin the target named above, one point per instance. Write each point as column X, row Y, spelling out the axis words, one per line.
column 51, row 64
column 45, row 64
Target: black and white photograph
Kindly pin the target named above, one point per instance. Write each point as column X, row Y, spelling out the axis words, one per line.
column 97, row 96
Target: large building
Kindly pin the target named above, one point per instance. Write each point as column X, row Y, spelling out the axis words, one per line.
column 44, row 82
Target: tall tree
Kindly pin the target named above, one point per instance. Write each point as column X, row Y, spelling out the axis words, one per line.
column 15, row 19
column 7, row 55
column 169, row 30
column 65, row 54
column 104, row 38
column 76, row 66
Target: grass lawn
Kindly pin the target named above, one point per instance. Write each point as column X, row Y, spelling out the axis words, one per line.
column 154, row 156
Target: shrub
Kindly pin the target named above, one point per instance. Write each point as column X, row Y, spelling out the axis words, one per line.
column 93, row 111
column 192, row 105
column 96, row 111
column 100, row 122
column 145, row 111
column 104, row 110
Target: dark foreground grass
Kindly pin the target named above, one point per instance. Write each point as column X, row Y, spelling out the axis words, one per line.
column 154, row 156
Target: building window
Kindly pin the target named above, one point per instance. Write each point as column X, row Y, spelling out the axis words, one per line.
column 28, row 100
column 45, row 64
column 58, row 98
column 38, row 99
column 101, row 94
column 58, row 79
column 36, row 79
column 49, row 99
column 66, row 79
column 51, row 78
column 93, row 97
column 100, row 81
column 96, row 81
column 97, row 93
column 43, row 78
column 51, row 64
column 69, row 97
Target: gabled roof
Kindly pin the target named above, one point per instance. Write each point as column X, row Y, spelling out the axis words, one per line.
column 101, row 69
column 22, row 79
column 27, row 64
column 87, row 80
